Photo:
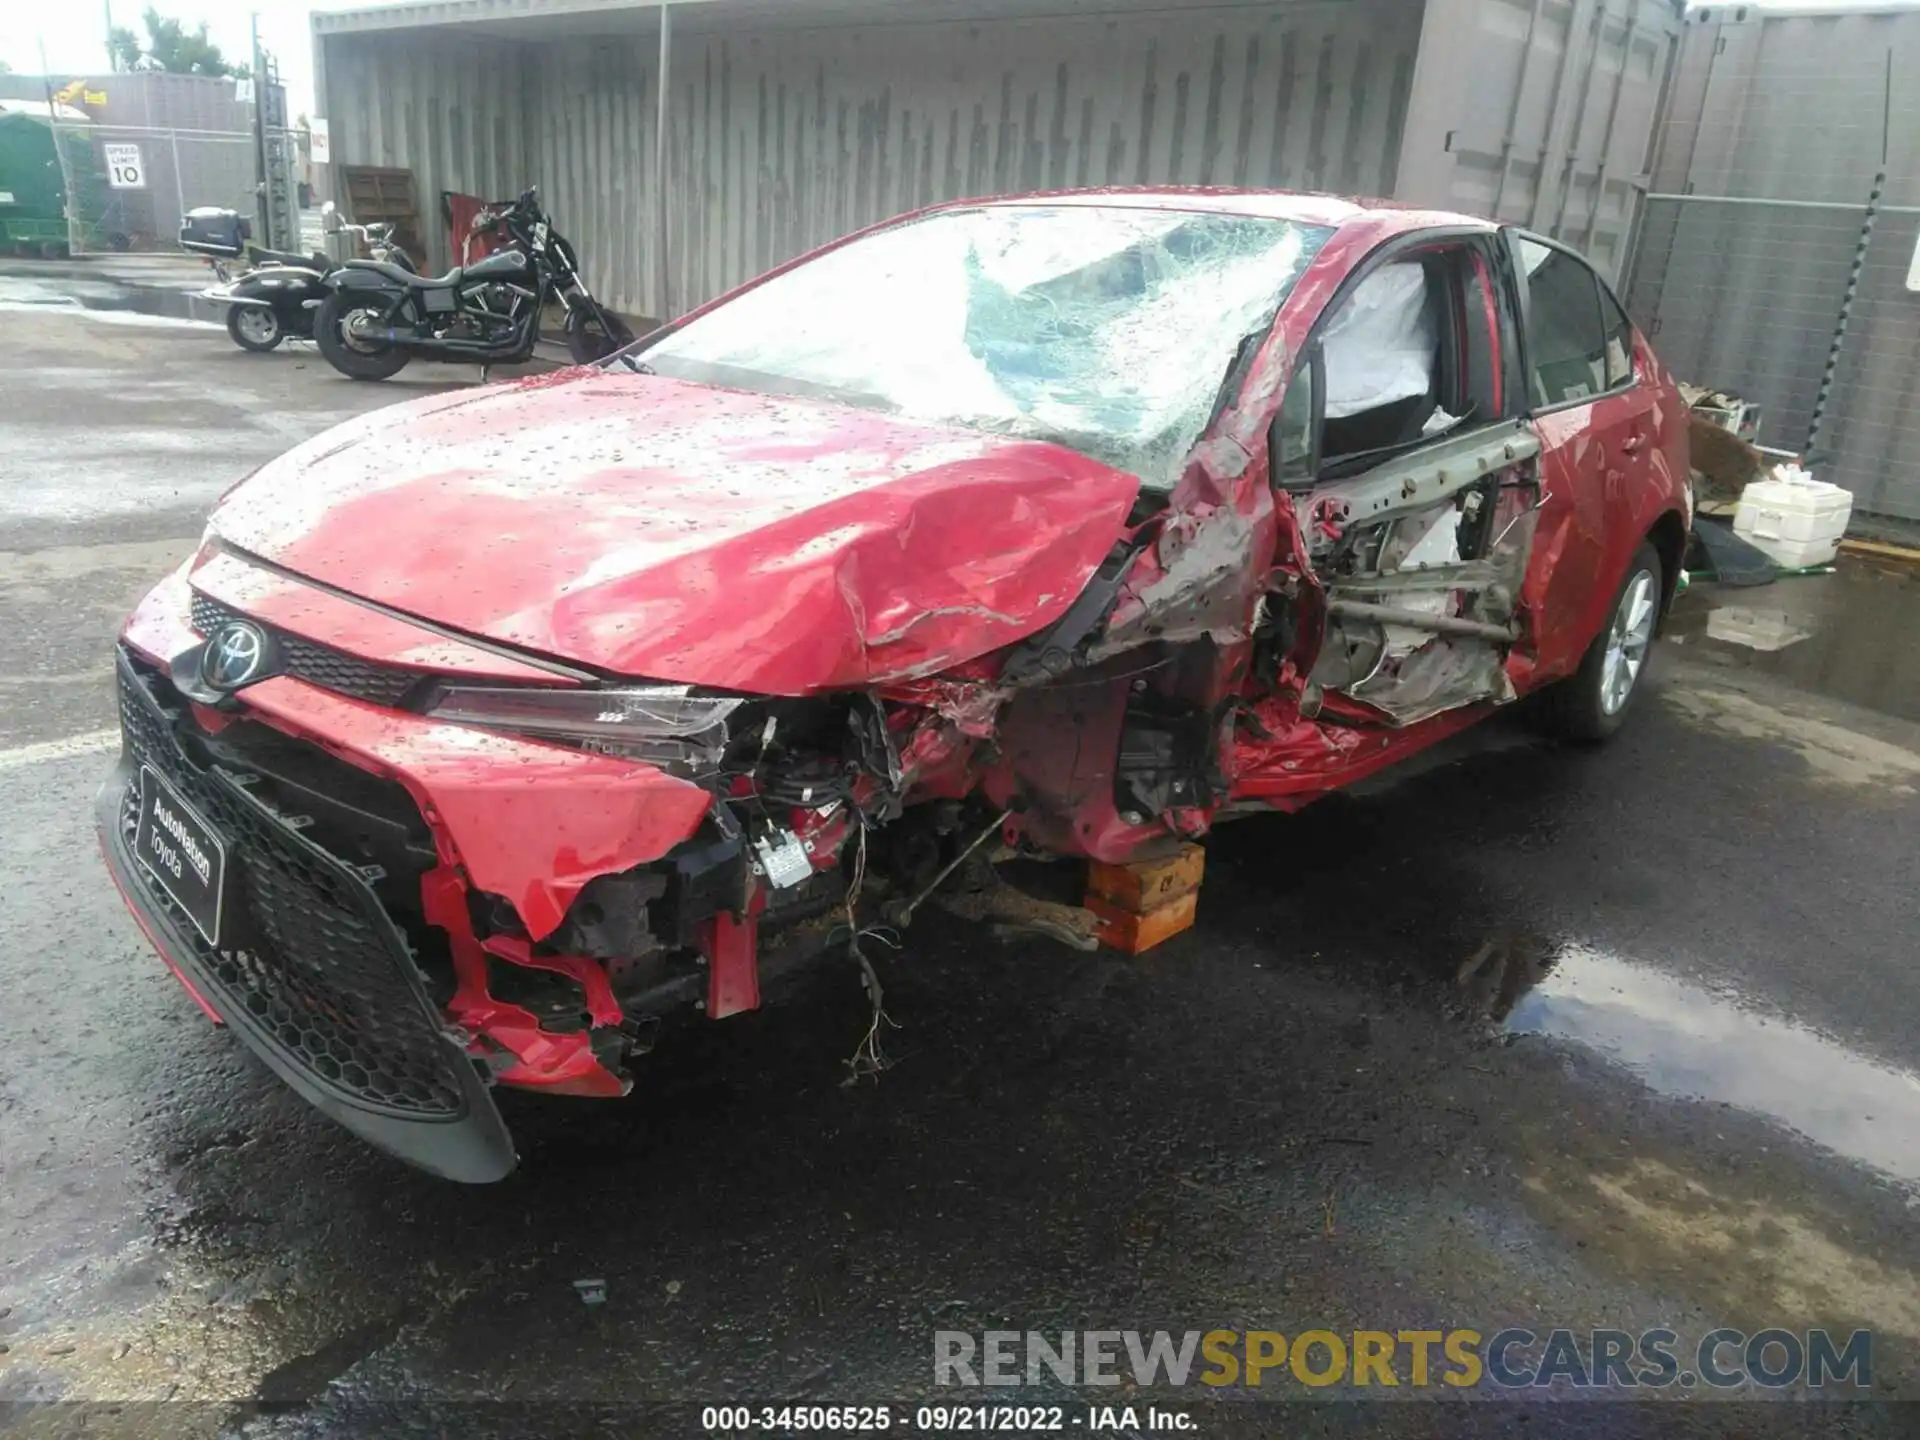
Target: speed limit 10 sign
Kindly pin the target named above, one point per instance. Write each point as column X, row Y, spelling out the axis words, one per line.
column 124, row 170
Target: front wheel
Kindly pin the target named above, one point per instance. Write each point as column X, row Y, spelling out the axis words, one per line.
column 1590, row 704
column 593, row 336
column 254, row 327
column 336, row 332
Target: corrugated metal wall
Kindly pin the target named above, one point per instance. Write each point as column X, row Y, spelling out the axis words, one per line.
column 784, row 140
column 1792, row 108
column 1540, row 112
column 784, row 136
column 451, row 108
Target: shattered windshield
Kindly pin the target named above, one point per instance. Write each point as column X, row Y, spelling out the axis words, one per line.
column 1105, row 329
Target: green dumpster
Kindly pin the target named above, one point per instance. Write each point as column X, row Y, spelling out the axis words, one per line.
column 33, row 190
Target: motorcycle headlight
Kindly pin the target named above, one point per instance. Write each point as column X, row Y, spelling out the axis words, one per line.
column 664, row 725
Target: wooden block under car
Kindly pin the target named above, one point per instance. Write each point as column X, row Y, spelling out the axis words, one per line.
column 1141, row 885
column 1132, row 932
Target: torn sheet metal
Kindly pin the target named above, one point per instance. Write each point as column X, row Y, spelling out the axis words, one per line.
column 530, row 822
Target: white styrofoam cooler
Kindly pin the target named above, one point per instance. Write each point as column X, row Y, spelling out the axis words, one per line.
column 1796, row 519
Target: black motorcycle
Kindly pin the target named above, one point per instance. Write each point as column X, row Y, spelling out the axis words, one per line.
column 376, row 316
column 276, row 296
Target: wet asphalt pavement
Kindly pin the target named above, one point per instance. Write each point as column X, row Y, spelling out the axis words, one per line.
column 1677, row 1088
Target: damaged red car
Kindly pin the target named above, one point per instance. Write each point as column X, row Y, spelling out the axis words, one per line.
column 485, row 731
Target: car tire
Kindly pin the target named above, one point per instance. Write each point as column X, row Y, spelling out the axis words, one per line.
column 1591, row 704
column 254, row 328
column 353, row 361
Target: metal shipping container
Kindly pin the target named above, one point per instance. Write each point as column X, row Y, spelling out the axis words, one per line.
column 791, row 123
column 1781, row 126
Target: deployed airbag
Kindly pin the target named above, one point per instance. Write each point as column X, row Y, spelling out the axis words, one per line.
column 1379, row 348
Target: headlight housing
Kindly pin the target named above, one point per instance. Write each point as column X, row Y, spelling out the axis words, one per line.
column 665, row 725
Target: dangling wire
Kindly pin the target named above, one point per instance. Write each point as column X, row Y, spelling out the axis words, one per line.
column 869, row 1057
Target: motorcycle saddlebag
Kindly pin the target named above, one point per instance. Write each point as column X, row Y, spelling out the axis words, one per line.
column 208, row 230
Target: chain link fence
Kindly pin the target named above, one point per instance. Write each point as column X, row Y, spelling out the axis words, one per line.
column 1777, row 243
column 128, row 187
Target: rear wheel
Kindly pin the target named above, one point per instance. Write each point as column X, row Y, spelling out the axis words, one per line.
column 1590, row 704
column 337, row 327
column 254, row 327
column 588, row 339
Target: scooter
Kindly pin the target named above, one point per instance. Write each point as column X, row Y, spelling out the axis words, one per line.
column 275, row 299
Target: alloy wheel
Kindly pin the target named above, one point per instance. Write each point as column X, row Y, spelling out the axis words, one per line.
column 259, row 326
column 1627, row 642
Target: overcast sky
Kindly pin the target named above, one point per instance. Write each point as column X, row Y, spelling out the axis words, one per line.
column 74, row 31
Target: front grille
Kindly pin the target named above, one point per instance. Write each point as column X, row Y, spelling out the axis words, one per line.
column 315, row 966
column 318, row 664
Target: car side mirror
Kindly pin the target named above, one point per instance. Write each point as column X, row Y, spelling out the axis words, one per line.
column 330, row 218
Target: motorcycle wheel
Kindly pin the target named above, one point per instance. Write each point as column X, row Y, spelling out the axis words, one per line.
column 254, row 328
column 354, row 359
column 588, row 340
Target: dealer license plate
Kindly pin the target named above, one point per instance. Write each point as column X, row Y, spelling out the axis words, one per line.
column 184, row 853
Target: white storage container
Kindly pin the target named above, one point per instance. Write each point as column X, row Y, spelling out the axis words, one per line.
column 1796, row 519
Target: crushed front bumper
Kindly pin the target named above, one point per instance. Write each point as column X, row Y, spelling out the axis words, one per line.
column 315, row 977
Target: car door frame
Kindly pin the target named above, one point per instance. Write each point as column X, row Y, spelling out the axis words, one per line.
column 1596, row 459
column 1489, row 246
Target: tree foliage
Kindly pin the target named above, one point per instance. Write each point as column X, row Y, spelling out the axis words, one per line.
column 170, row 46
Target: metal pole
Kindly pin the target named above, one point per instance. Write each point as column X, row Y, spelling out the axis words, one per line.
column 1606, row 141
column 261, row 209
column 1571, row 168
column 1513, row 110
column 1554, row 116
column 1838, row 342
column 60, row 151
column 179, row 189
column 1771, row 203
column 660, row 268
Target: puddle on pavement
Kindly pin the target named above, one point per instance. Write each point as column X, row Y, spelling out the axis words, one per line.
column 1690, row 1043
column 1846, row 635
column 105, row 299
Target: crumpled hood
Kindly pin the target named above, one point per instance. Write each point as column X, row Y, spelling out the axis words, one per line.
column 686, row 533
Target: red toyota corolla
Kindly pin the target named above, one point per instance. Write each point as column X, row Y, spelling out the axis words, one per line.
column 486, row 730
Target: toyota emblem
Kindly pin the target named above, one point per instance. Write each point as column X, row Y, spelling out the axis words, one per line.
column 235, row 655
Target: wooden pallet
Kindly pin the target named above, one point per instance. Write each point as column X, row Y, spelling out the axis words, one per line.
column 375, row 194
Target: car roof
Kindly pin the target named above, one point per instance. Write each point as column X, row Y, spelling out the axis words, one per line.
column 1302, row 207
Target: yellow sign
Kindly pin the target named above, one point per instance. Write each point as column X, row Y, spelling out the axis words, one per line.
column 76, row 90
